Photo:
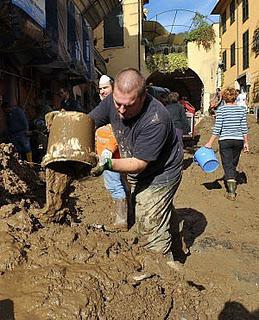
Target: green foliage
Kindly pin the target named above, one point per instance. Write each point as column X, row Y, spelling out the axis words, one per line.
column 202, row 32
column 167, row 63
column 180, row 38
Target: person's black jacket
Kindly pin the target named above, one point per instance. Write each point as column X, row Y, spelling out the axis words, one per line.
column 178, row 115
column 71, row 105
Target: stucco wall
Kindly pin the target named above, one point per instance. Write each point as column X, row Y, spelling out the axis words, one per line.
column 234, row 33
column 128, row 55
column 205, row 64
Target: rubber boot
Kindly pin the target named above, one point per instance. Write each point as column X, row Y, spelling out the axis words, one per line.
column 231, row 188
column 121, row 216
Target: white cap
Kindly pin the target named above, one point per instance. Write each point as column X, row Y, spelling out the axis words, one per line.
column 104, row 79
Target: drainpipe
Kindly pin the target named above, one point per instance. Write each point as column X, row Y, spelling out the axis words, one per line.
column 139, row 35
column 237, row 44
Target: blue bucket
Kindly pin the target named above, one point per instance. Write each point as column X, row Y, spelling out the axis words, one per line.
column 206, row 159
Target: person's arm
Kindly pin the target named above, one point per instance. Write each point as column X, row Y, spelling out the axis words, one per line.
column 211, row 140
column 100, row 114
column 244, row 129
column 126, row 165
column 129, row 165
column 246, row 145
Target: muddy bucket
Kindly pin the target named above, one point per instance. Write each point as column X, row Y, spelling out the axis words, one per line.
column 71, row 138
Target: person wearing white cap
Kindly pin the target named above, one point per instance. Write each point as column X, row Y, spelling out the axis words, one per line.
column 105, row 86
column 107, row 147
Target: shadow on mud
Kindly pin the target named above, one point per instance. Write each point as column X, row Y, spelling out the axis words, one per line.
column 236, row 311
column 187, row 163
column 241, row 179
column 6, row 309
column 213, row 185
column 187, row 225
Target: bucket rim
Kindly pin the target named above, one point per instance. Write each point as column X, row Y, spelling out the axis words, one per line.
column 46, row 163
column 213, row 169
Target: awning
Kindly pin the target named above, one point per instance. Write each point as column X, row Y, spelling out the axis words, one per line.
column 153, row 29
column 221, row 4
column 95, row 10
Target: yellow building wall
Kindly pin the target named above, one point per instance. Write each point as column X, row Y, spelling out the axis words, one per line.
column 205, row 64
column 234, row 33
column 132, row 53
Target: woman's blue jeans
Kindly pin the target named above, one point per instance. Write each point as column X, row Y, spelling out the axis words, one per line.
column 115, row 184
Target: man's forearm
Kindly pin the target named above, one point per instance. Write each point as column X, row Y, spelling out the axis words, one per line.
column 129, row 165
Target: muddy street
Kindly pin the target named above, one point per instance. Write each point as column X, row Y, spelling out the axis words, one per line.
column 76, row 269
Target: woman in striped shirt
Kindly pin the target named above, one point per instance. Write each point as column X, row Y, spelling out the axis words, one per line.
column 231, row 129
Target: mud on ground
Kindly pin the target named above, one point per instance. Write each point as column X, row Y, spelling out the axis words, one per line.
column 77, row 270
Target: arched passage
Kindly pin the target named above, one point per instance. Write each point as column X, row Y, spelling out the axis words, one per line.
column 186, row 84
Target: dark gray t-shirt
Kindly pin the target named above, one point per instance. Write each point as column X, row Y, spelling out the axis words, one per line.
column 149, row 136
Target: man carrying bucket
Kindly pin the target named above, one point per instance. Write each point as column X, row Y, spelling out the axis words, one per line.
column 151, row 156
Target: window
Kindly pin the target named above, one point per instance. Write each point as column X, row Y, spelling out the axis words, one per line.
column 224, row 60
column 246, row 50
column 245, row 10
column 224, row 22
column 113, row 28
column 233, row 54
column 87, row 49
column 71, row 30
column 232, row 11
column 52, row 20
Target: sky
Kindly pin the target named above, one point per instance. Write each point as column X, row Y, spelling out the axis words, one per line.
column 156, row 11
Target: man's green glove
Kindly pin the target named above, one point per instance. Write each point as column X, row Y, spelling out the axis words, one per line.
column 105, row 164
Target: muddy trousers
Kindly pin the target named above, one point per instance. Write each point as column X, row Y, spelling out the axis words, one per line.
column 153, row 206
column 230, row 151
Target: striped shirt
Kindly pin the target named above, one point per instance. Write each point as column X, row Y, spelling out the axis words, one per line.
column 231, row 122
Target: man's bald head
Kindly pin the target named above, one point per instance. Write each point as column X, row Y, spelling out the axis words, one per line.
column 129, row 80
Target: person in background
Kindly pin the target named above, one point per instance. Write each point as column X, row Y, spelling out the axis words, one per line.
column 68, row 103
column 178, row 116
column 184, row 102
column 242, row 99
column 231, row 129
column 107, row 147
column 215, row 102
column 38, row 130
column 151, row 156
column 17, row 130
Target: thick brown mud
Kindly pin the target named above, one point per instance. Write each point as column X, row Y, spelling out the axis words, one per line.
column 75, row 269
column 57, row 184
